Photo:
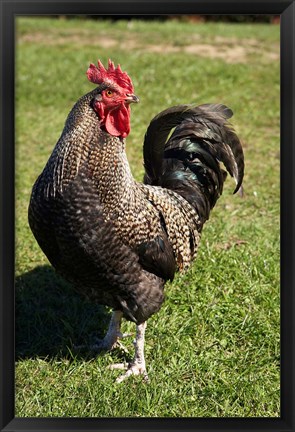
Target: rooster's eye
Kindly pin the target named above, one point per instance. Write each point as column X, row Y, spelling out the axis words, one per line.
column 109, row 93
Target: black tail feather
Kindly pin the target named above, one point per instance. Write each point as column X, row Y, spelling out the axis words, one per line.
column 188, row 162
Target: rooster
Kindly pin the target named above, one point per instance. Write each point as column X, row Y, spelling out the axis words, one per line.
column 118, row 240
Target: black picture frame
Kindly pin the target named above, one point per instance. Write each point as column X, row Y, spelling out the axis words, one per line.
column 9, row 10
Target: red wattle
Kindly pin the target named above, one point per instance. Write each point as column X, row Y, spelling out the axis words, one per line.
column 117, row 121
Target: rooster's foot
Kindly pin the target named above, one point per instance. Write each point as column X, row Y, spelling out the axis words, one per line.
column 137, row 366
column 131, row 369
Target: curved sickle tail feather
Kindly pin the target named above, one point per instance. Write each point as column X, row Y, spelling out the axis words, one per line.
column 188, row 162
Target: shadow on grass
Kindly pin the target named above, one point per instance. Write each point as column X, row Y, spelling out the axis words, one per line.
column 51, row 318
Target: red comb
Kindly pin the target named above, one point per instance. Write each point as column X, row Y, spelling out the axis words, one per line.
column 100, row 74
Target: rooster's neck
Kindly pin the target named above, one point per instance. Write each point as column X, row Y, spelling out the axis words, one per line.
column 85, row 146
column 110, row 171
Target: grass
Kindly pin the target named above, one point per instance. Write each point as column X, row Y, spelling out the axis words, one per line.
column 213, row 349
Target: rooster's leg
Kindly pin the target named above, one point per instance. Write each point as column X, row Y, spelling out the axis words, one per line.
column 137, row 365
column 110, row 340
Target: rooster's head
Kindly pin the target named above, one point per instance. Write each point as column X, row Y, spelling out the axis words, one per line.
column 115, row 93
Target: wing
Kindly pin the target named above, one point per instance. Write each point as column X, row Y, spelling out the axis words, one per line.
column 96, row 260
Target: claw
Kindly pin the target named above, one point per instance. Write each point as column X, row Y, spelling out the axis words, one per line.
column 120, row 366
column 125, row 335
column 132, row 369
column 121, row 347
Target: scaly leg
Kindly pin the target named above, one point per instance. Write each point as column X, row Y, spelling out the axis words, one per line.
column 137, row 366
column 111, row 338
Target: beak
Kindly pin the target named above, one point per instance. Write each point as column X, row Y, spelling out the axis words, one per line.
column 130, row 98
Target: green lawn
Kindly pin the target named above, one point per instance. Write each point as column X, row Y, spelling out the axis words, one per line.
column 213, row 349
